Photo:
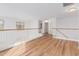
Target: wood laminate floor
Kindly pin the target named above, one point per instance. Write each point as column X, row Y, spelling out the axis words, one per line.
column 44, row 46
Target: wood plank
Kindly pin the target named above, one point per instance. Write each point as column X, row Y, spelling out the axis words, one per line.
column 38, row 46
column 39, row 49
column 21, row 49
column 4, row 52
column 45, row 46
column 53, row 50
column 56, row 49
column 51, row 46
column 70, row 48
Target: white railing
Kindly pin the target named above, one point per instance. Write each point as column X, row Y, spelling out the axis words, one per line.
column 10, row 38
column 66, row 33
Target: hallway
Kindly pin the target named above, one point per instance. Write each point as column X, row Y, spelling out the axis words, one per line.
column 44, row 46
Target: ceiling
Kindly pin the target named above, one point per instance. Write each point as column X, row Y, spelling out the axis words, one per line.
column 32, row 10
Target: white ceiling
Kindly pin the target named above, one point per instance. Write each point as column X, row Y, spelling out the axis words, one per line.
column 32, row 10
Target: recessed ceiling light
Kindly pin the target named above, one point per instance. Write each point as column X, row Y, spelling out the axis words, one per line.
column 71, row 8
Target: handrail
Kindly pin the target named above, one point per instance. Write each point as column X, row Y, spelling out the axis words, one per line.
column 38, row 28
column 18, row 29
column 66, row 28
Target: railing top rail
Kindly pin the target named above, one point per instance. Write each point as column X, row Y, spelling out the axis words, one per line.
column 66, row 28
column 18, row 29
